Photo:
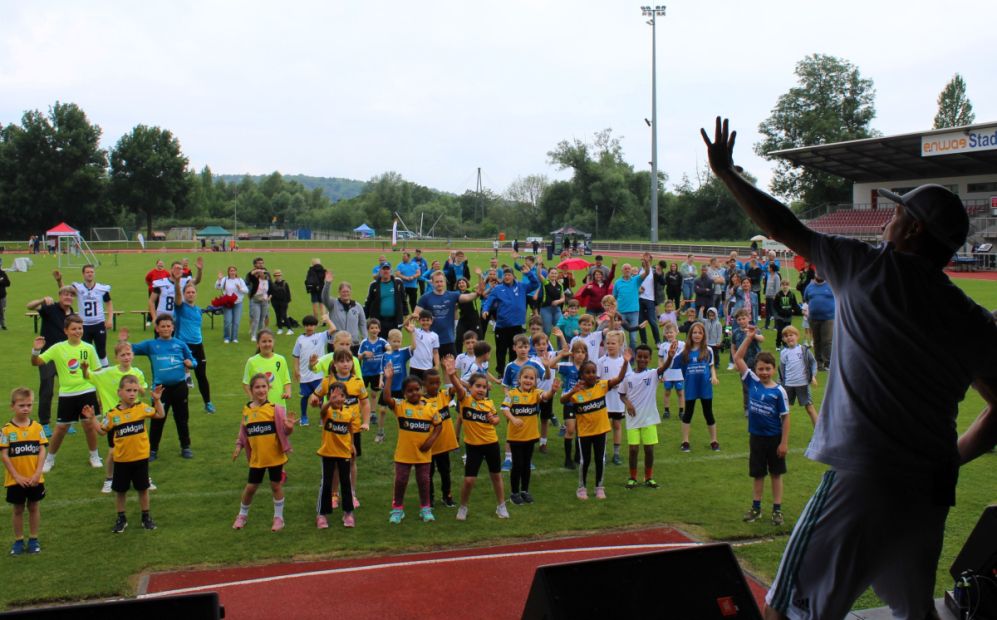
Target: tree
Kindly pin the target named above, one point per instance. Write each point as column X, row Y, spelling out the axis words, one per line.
column 954, row 108
column 831, row 103
column 52, row 169
column 149, row 173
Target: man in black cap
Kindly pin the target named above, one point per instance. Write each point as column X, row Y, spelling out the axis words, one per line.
column 908, row 343
column 386, row 300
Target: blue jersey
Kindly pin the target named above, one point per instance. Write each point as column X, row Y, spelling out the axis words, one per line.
column 408, row 270
column 696, row 373
column 371, row 367
column 187, row 319
column 510, row 378
column 167, row 357
column 569, row 375
column 766, row 406
column 399, row 363
column 444, row 308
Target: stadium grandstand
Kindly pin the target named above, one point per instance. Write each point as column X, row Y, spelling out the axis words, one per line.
column 963, row 159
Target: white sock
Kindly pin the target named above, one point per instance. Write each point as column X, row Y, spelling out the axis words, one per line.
column 508, row 456
column 94, row 453
column 50, row 457
column 543, row 441
column 278, row 509
column 244, row 510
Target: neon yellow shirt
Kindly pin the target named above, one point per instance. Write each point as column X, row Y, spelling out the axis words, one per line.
column 275, row 369
column 67, row 360
column 107, row 380
column 324, row 363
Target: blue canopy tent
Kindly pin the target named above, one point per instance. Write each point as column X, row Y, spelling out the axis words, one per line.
column 364, row 230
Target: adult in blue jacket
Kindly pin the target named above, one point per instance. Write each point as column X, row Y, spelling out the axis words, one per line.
column 820, row 313
column 626, row 290
column 507, row 302
column 170, row 359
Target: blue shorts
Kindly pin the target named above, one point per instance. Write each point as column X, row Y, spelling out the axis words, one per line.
column 309, row 387
column 675, row 385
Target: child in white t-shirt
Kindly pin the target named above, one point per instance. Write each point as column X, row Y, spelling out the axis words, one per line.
column 311, row 343
column 609, row 367
column 673, row 379
column 425, row 345
column 639, row 393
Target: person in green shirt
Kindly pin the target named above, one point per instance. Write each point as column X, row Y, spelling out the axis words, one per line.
column 273, row 366
column 107, row 380
column 75, row 392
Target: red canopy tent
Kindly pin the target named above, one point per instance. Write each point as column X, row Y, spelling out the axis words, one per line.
column 62, row 230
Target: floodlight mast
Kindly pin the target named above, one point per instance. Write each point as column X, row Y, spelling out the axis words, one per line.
column 653, row 13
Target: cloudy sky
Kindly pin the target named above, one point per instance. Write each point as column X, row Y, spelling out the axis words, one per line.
column 435, row 89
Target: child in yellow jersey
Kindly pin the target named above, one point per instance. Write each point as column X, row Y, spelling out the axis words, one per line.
column 522, row 409
column 479, row 419
column 356, row 400
column 271, row 365
column 418, row 427
column 264, row 434
column 589, row 400
column 22, row 448
column 107, row 380
column 339, row 424
column 131, row 445
column 446, row 442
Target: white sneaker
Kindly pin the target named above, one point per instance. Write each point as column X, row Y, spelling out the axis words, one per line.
column 152, row 486
column 280, row 332
column 730, row 366
column 49, row 463
column 251, row 339
column 226, row 341
column 107, row 487
column 501, row 511
column 462, row 513
column 290, row 333
column 95, row 461
column 235, row 341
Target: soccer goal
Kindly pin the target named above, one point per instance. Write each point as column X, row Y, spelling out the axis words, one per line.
column 180, row 233
column 73, row 251
column 115, row 233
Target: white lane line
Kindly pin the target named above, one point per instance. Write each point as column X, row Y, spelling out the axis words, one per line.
column 429, row 562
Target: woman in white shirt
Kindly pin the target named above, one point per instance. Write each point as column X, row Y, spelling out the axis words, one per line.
column 232, row 285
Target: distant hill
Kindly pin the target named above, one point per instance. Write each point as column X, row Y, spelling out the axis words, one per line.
column 335, row 189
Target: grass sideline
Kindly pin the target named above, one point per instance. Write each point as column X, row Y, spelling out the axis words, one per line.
column 702, row 492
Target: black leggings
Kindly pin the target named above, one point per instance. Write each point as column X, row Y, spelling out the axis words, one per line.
column 412, row 294
column 330, row 464
column 280, row 309
column 46, row 389
column 201, row 371
column 690, row 408
column 522, row 457
column 592, row 449
column 174, row 397
column 503, row 345
column 440, row 463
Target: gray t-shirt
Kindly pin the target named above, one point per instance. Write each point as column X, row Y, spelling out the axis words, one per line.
column 907, row 345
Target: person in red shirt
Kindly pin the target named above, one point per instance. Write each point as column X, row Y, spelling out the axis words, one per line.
column 156, row 274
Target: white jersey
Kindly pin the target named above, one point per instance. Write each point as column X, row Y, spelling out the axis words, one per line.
column 423, row 344
column 463, row 361
column 642, row 390
column 475, row 367
column 304, row 347
column 168, row 294
column 593, row 342
column 672, row 373
column 609, row 367
column 545, row 378
column 91, row 301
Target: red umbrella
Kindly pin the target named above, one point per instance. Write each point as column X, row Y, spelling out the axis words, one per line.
column 573, row 264
column 799, row 262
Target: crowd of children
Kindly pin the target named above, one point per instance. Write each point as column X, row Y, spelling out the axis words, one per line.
column 607, row 390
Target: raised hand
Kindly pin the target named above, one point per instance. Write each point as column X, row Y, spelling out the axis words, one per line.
column 123, row 333
column 389, row 372
column 328, row 276
column 448, row 364
column 87, row 412
column 199, row 263
column 157, row 392
column 628, row 355
column 220, row 275
column 38, row 343
column 721, row 150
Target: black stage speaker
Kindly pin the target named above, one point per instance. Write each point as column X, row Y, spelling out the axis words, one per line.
column 188, row 607
column 979, row 554
column 694, row 583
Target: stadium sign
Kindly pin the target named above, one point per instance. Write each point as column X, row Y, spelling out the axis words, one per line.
column 959, row 142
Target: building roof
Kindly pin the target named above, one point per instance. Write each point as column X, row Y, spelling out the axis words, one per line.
column 894, row 158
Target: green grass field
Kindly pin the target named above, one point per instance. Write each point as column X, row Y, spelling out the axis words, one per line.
column 702, row 492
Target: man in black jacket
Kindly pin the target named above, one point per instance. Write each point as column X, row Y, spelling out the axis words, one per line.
column 386, row 300
column 314, row 281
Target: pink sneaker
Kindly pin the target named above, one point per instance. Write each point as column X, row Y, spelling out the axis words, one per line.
column 600, row 493
column 348, row 520
column 240, row 522
column 278, row 524
column 321, row 522
column 582, row 493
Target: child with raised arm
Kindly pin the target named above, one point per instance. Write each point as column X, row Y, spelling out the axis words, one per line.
column 589, row 335
column 699, row 375
column 569, row 321
column 126, row 422
column 768, row 427
column 639, row 393
column 264, row 434
column 568, row 373
column 479, row 421
column 418, row 427
column 609, row 366
column 371, row 354
column 521, row 408
column 339, row 424
column 107, row 381
column 589, row 399
column 739, row 333
column 271, row 365
column 425, row 345
column 673, row 376
column 310, row 343
column 22, row 449
column 798, row 371
column 446, row 442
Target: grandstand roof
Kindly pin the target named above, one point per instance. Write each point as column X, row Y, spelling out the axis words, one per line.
column 895, row 158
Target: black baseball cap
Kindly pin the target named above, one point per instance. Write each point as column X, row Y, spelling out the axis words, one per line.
column 942, row 213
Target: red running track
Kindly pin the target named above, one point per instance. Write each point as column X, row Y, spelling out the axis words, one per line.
column 489, row 582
